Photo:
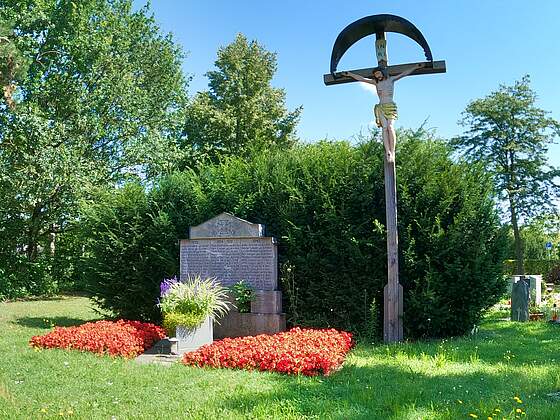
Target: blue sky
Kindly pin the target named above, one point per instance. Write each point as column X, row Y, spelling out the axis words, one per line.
column 485, row 43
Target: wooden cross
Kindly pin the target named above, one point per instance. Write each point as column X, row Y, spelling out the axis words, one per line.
column 393, row 291
column 431, row 67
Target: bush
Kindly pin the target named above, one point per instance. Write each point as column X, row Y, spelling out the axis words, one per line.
column 129, row 246
column 325, row 204
column 553, row 276
column 542, row 267
column 21, row 278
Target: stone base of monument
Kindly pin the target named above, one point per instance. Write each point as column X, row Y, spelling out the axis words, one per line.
column 236, row 324
column 170, row 350
column 267, row 302
column 189, row 339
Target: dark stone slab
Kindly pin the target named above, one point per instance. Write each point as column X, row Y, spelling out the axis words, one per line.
column 267, row 302
column 235, row 324
column 520, row 300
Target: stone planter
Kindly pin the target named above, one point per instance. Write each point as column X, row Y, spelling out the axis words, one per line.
column 189, row 339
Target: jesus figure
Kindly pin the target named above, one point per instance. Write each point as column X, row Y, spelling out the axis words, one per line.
column 386, row 110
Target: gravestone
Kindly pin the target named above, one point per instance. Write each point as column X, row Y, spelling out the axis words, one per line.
column 520, row 300
column 535, row 287
column 231, row 249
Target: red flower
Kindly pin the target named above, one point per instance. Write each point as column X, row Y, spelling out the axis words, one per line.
column 298, row 351
column 118, row 338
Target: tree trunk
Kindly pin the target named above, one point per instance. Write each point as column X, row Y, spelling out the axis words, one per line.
column 33, row 233
column 32, row 246
column 519, row 257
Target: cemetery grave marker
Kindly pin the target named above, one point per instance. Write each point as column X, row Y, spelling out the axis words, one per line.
column 232, row 249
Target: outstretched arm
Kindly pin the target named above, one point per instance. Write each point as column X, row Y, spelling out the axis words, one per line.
column 409, row 71
column 358, row 77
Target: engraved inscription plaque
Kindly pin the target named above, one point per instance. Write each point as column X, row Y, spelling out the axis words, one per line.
column 230, row 260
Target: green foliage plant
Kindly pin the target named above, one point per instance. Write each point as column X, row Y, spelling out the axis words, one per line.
column 243, row 295
column 100, row 100
column 372, row 325
column 510, row 135
column 190, row 302
column 325, row 204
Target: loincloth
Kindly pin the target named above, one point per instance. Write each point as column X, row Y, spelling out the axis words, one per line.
column 387, row 110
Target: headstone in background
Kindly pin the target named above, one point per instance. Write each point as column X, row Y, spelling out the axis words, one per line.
column 520, row 300
column 232, row 249
column 535, row 287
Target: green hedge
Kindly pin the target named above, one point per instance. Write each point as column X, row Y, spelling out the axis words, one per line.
column 325, row 204
column 542, row 267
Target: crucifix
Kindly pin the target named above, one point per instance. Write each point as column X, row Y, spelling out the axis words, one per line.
column 383, row 78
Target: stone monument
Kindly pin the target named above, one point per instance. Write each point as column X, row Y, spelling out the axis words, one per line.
column 520, row 300
column 535, row 287
column 232, row 249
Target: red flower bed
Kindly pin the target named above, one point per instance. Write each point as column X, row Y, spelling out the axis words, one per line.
column 119, row 338
column 298, row 351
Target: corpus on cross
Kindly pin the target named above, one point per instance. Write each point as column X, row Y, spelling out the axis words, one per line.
column 386, row 110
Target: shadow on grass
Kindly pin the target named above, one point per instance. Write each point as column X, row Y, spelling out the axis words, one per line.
column 47, row 323
column 386, row 391
column 442, row 378
column 36, row 299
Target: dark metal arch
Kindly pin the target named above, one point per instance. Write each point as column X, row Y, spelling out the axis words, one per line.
column 375, row 24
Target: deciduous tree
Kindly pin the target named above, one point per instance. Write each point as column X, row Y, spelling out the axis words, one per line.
column 12, row 63
column 241, row 110
column 101, row 101
column 509, row 133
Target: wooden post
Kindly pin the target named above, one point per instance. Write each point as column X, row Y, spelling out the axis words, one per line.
column 393, row 292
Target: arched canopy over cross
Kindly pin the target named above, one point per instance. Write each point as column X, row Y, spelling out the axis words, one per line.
column 378, row 25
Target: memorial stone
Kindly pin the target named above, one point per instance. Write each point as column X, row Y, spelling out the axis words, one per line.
column 535, row 287
column 520, row 300
column 231, row 249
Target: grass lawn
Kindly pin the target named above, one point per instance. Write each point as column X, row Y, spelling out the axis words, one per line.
column 430, row 380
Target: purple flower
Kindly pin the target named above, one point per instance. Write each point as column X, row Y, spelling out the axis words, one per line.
column 166, row 284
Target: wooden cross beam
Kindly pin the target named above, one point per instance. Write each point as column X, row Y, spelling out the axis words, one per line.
column 431, row 67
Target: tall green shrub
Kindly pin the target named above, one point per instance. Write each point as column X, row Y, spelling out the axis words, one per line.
column 325, row 204
column 130, row 247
